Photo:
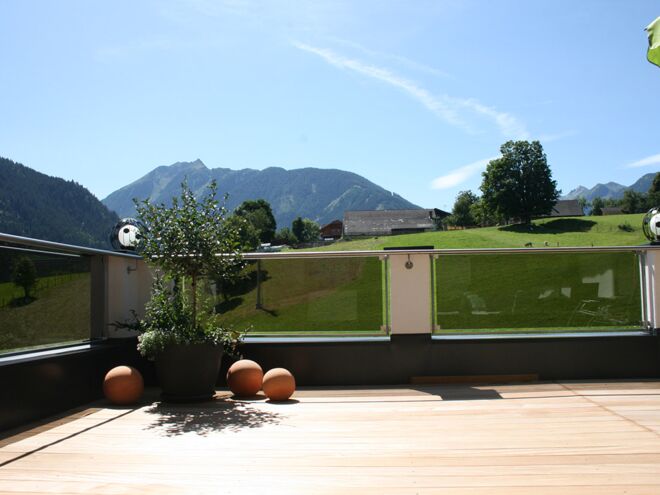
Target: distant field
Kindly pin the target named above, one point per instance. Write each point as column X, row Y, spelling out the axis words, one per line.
column 580, row 231
column 327, row 296
column 537, row 293
column 10, row 291
column 59, row 314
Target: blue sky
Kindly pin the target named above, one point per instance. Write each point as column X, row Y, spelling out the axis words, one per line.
column 414, row 95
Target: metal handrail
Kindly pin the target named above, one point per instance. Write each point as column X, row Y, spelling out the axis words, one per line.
column 479, row 251
column 64, row 248
column 70, row 248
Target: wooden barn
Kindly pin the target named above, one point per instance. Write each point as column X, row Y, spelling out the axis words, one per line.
column 391, row 222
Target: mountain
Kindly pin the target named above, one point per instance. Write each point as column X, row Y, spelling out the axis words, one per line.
column 36, row 205
column 643, row 184
column 611, row 189
column 319, row 194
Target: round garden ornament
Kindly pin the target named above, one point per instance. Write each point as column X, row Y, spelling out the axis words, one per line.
column 244, row 378
column 279, row 384
column 123, row 385
column 126, row 234
column 651, row 225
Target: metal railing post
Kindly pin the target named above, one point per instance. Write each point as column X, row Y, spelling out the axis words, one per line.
column 650, row 290
column 98, row 306
column 410, row 303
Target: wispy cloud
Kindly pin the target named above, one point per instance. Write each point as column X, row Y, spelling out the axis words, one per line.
column 645, row 162
column 460, row 175
column 450, row 109
column 438, row 105
column 412, row 64
column 548, row 138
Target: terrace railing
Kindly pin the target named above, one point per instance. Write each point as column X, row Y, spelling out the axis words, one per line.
column 53, row 294
column 450, row 292
column 567, row 290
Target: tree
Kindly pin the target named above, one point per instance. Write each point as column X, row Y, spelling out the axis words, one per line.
column 582, row 201
column 653, row 196
column 655, row 185
column 633, row 202
column 519, row 184
column 190, row 241
column 297, row 227
column 24, row 275
column 482, row 215
column 247, row 232
column 597, row 206
column 285, row 236
column 305, row 230
column 311, row 230
column 260, row 215
column 462, row 213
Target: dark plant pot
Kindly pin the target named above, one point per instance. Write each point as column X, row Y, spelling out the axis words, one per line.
column 188, row 373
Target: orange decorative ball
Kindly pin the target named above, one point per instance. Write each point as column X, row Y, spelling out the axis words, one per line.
column 279, row 384
column 244, row 378
column 123, row 385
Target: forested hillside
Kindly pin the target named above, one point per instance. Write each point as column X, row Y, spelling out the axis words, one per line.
column 36, row 205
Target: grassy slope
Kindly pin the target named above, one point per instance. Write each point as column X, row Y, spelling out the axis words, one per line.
column 59, row 314
column 584, row 231
column 323, row 295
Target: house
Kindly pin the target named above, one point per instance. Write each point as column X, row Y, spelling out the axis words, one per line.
column 567, row 208
column 333, row 230
column 612, row 210
column 391, row 222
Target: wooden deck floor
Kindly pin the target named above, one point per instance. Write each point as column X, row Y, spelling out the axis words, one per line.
column 550, row 438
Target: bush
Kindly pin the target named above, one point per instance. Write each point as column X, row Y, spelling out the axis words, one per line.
column 626, row 227
column 189, row 244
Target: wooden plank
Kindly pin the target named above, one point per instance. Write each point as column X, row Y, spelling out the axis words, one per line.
column 453, row 379
column 541, row 438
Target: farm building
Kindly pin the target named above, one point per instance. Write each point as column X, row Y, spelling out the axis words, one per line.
column 333, row 230
column 567, row 208
column 391, row 222
column 612, row 210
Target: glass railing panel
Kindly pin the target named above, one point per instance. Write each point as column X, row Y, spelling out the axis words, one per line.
column 526, row 293
column 44, row 298
column 311, row 296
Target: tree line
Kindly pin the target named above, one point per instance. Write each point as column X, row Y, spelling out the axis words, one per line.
column 518, row 186
column 632, row 201
column 256, row 223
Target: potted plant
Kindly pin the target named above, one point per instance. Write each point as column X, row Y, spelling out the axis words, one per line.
column 188, row 244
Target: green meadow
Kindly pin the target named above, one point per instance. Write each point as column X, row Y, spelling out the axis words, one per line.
column 562, row 232
column 537, row 293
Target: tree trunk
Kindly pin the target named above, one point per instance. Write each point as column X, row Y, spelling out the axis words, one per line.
column 193, row 287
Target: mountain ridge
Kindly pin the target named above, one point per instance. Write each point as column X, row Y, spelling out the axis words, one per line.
column 319, row 194
column 611, row 190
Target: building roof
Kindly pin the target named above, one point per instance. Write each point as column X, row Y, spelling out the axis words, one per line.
column 383, row 222
column 333, row 229
column 334, row 223
column 567, row 208
column 612, row 210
